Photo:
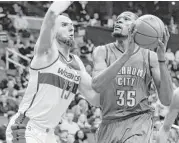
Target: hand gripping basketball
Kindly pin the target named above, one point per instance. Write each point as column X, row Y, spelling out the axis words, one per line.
column 162, row 45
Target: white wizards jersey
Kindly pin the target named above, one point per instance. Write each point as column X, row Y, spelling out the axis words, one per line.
column 50, row 91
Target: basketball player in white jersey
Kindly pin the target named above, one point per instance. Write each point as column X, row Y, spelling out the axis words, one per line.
column 55, row 77
column 173, row 111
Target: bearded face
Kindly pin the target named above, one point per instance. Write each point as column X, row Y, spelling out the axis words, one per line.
column 61, row 38
column 123, row 24
column 64, row 31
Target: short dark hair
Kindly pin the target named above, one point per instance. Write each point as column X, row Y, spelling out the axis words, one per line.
column 76, row 135
column 135, row 16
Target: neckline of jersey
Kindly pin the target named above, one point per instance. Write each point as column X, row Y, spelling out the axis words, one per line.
column 64, row 58
column 123, row 51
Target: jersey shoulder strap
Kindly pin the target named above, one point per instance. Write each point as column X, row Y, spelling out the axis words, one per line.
column 108, row 48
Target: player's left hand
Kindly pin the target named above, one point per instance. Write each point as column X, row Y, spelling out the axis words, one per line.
column 162, row 45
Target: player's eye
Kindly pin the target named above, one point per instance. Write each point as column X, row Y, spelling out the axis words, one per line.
column 117, row 22
column 126, row 18
column 64, row 24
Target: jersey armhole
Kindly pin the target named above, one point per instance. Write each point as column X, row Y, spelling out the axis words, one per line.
column 36, row 69
column 107, row 54
column 150, row 67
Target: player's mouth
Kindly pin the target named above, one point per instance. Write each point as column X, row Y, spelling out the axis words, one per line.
column 117, row 27
column 71, row 36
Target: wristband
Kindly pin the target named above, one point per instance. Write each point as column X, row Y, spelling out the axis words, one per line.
column 161, row 61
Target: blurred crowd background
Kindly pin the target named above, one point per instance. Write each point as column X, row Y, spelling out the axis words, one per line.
column 19, row 28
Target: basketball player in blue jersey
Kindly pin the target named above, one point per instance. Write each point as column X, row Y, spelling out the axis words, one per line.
column 55, row 77
column 173, row 111
column 122, row 74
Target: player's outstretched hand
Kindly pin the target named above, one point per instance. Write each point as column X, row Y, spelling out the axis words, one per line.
column 162, row 44
column 162, row 136
column 131, row 44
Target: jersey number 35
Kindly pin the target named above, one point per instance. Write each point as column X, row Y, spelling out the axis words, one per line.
column 126, row 98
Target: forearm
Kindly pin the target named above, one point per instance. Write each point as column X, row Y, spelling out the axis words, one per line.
column 105, row 77
column 86, row 89
column 169, row 119
column 45, row 37
column 166, row 88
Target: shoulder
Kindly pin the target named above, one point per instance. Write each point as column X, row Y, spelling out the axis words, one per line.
column 102, row 49
column 79, row 62
column 99, row 50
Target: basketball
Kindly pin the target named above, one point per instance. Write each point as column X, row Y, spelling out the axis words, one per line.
column 149, row 29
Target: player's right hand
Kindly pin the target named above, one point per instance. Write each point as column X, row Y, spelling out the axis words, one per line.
column 131, row 44
column 162, row 136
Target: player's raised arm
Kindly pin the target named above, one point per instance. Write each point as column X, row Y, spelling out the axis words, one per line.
column 160, row 72
column 43, row 44
column 103, row 75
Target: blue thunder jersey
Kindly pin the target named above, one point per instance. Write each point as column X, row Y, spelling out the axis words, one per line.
column 127, row 94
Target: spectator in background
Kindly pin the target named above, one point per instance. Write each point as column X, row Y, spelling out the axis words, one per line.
column 7, row 23
column 2, row 63
column 111, row 21
column 90, row 48
column 70, row 138
column 95, row 21
column 177, row 56
column 170, row 56
column 10, row 114
column 10, row 91
column 87, row 19
column 81, row 107
column 2, row 134
column 172, row 27
column 95, row 119
column 68, row 124
column 20, row 23
column 138, row 10
column 83, row 122
column 81, row 137
column 84, row 106
column 63, row 136
column 87, row 50
column 16, row 7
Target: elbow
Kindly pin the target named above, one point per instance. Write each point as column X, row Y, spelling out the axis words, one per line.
column 166, row 95
column 166, row 103
column 165, row 100
column 95, row 85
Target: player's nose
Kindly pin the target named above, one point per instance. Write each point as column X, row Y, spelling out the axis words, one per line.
column 71, row 28
column 119, row 22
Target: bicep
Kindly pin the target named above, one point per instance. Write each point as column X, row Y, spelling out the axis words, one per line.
column 155, row 71
column 44, row 40
column 99, row 62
